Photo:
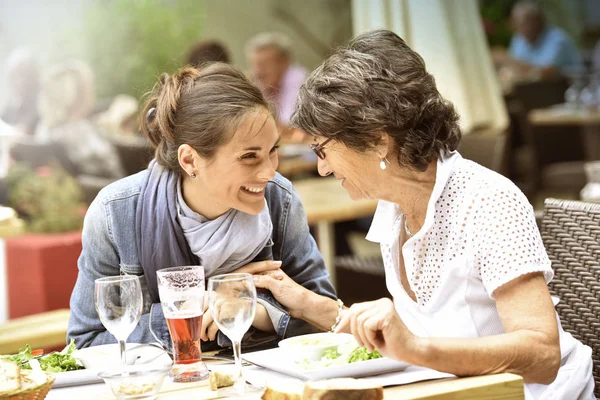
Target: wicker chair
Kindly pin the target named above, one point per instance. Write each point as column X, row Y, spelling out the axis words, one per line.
column 571, row 234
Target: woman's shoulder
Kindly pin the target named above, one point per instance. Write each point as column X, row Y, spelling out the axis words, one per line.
column 278, row 187
column 480, row 179
column 124, row 188
column 487, row 187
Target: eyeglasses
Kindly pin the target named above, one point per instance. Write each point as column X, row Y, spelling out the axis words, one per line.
column 318, row 148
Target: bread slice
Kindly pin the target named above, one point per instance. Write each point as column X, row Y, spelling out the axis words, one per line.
column 10, row 376
column 342, row 389
column 219, row 379
column 283, row 390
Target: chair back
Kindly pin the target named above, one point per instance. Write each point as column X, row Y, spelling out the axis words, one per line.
column 571, row 234
column 135, row 153
column 42, row 154
column 541, row 94
column 487, row 149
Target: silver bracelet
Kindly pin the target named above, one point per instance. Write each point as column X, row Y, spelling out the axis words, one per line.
column 338, row 318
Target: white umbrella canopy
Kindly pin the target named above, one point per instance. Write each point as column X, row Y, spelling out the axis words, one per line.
column 449, row 36
column 6, row 132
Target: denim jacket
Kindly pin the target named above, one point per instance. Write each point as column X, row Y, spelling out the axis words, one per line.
column 109, row 249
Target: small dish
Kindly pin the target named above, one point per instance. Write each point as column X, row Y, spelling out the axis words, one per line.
column 313, row 347
column 136, row 382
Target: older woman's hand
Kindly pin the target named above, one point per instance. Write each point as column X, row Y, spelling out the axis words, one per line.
column 376, row 325
column 261, row 318
column 259, row 267
column 286, row 291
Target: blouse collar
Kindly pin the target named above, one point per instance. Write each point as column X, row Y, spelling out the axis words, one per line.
column 387, row 212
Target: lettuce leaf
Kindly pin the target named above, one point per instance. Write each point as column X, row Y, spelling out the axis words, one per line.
column 361, row 354
column 54, row 362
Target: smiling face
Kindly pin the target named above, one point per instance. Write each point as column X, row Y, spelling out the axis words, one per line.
column 359, row 172
column 236, row 176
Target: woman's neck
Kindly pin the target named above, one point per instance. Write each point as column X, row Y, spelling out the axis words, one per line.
column 200, row 201
column 411, row 190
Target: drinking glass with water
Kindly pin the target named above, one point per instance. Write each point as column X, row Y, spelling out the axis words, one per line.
column 119, row 304
column 232, row 303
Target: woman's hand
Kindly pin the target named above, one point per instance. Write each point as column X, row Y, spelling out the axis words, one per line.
column 286, row 291
column 262, row 321
column 259, row 267
column 376, row 325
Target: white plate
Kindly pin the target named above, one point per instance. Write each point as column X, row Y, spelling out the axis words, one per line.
column 108, row 355
column 274, row 359
column 96, row 359
column 314, row 345
column 76, row 378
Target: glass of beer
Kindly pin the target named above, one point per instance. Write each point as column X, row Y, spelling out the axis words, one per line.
column 181, row 291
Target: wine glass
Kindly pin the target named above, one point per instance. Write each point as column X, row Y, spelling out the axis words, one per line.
column 119, row 305
column 181, row 291
column 232, row 303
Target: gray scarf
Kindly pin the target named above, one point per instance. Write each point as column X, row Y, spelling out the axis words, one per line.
column 161, row 242
column 226, row 243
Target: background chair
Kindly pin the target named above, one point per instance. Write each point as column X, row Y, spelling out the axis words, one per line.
column 486, row 148
column 135, row 153
column 549, row 158
column 571, row 234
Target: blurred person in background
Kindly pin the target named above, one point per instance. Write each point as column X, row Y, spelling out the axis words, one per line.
column 269, row 56
column 539, row 50
column 208, row 51
column 66, row 99
column 23, row 85
column 121, row 117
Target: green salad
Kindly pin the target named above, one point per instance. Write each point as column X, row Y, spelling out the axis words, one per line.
column 341, row 355
column 54, row 362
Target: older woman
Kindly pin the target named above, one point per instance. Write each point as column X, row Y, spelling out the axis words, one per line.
column 463, row 257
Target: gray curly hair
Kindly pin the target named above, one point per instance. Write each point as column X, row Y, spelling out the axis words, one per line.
column 378, row 84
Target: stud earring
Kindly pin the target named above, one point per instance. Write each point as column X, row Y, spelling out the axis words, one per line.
column 192, row 175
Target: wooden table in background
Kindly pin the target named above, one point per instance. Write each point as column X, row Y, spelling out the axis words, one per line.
column 326, row 202
column 44, row 330
column 289, row 167
column 589, row 121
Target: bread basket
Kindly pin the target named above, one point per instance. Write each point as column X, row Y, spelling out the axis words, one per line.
column 31, row 392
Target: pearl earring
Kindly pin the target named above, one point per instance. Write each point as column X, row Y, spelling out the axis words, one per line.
column 192, row 175
column 382, row 165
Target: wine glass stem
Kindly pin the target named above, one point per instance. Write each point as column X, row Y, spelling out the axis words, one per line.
column 123, row 355
column 237, row 355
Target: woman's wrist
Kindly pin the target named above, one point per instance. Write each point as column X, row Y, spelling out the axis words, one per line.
column 318, row 310
column 419, row 351
column 262, row 321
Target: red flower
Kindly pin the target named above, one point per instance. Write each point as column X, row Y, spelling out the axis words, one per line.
column 43, row 171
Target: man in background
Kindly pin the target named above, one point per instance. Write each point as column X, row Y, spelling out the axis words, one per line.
column 270, row 59
column 539, row 50
column 208, row 51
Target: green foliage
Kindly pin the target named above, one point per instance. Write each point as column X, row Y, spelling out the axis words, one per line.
column 129, row 43
column 54, row 362
column 49, row 198
column 496, row 21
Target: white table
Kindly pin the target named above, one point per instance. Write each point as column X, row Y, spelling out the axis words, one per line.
column 488, row 387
